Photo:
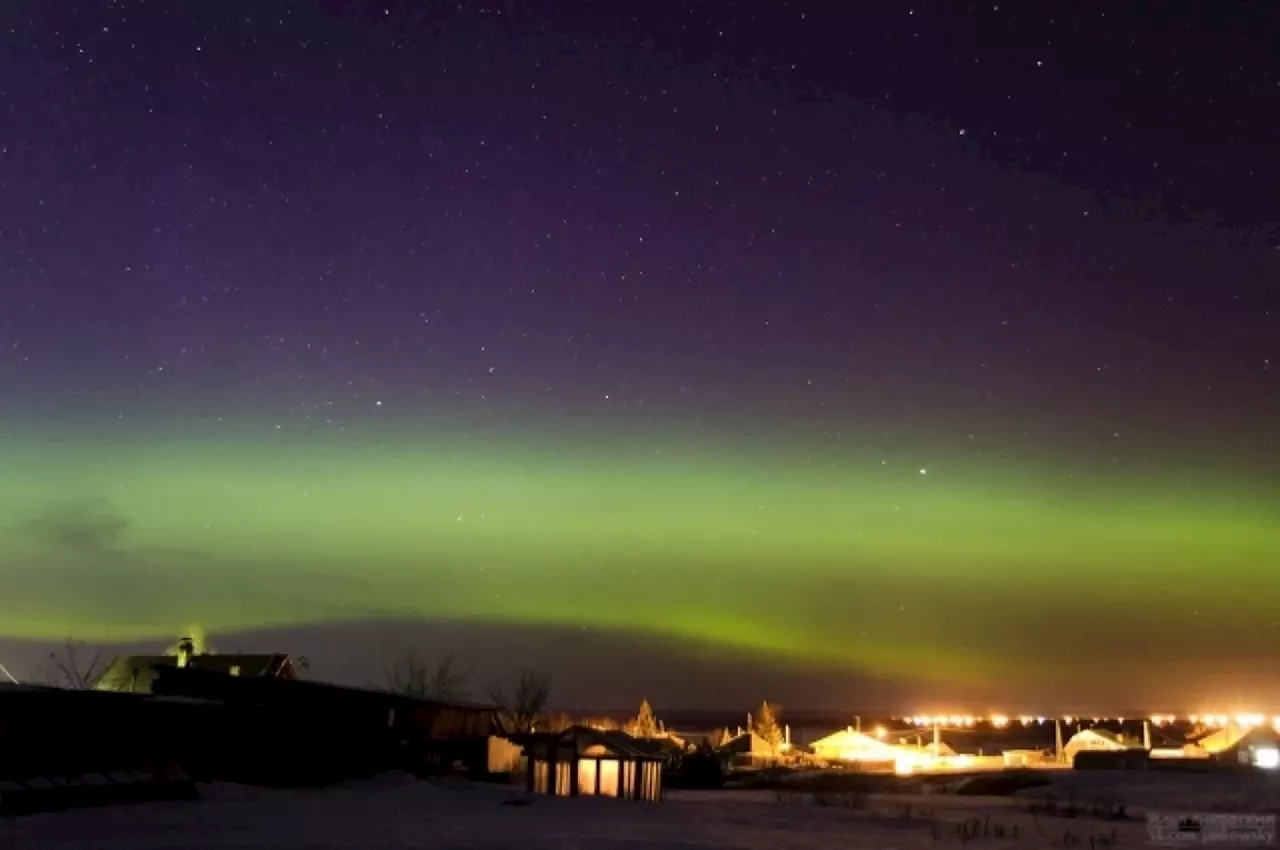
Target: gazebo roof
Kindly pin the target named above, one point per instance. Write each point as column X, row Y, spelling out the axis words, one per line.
column 586, row 742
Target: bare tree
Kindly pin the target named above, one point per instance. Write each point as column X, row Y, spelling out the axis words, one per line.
column 521, row 706
column 411, row 675
column 73, row 668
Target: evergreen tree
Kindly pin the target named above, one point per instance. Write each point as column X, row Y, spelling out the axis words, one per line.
column 766, row 724
column 645, row 724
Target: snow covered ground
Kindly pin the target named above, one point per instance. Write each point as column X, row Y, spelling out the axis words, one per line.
column 396, row 812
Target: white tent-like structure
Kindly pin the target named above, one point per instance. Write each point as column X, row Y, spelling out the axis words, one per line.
column 854, row 747
column 850, row 746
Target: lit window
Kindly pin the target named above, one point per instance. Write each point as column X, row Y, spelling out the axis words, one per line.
column 235, row 669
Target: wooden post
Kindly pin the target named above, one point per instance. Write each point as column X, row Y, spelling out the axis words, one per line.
column 574, row 764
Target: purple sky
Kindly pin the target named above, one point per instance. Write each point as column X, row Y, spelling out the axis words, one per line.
column 1048, row 229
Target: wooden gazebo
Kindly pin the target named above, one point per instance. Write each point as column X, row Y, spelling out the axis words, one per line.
column 583, row 762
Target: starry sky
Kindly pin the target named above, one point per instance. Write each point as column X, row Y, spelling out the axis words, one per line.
column 849, row 352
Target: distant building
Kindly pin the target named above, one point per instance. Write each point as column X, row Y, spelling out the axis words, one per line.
column 137, row 674
column 1093, row 740
column 851, row 746
column 1257, row 746
column 749, row 750
column 1024, row 758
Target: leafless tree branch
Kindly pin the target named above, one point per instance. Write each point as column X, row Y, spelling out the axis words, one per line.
column 521, row 706
column 411, row 675
column 72, row 668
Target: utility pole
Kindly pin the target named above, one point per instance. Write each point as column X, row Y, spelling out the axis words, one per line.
column 1057, row 738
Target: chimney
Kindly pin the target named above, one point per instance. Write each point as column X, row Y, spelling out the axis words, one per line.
column 186, row 649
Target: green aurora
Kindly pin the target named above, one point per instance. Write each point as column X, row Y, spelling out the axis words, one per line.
column 864, row 564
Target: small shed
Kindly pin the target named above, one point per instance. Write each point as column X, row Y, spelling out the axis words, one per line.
column 584, row 762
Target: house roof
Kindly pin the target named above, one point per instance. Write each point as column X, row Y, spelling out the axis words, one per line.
column 748, row 743
column 202, row 683
column 853, row 741
column 1106, row 735
column 137, row 673
column 1234, row 735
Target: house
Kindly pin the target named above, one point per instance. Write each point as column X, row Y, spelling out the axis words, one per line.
column 852, row 746
column 1257, row 746
column 281, row 731
column 582, row 761
column 64, row 748
column 1102, row 749
column 749, row 750
column 136, row 674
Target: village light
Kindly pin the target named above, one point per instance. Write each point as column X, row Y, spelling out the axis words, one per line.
column 881, row 732
column 999, row 721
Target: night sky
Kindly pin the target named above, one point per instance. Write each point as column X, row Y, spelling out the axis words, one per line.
column 832, row 353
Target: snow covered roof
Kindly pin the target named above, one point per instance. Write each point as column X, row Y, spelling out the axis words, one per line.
column 593, row 743
column 851, row 743
column 1104, row 736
